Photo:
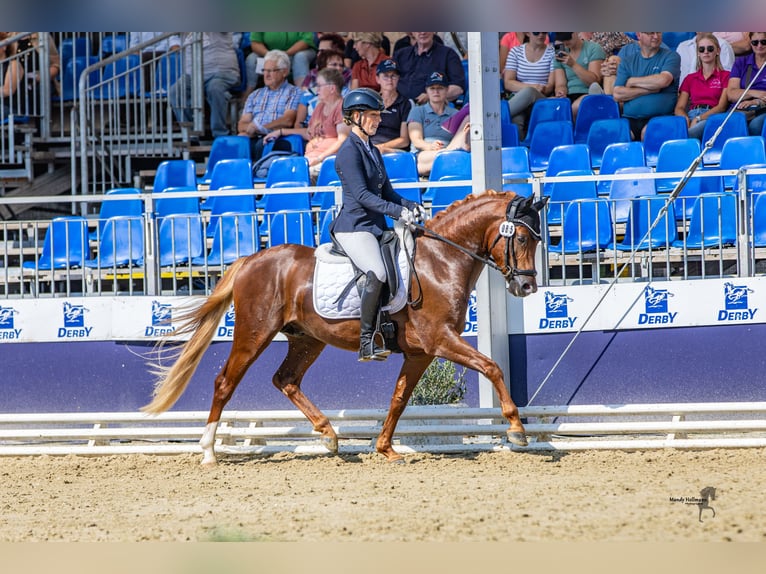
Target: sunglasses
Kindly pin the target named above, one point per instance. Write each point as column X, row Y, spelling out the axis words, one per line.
column 708, row 49
column 756, row 42
column 537, row 33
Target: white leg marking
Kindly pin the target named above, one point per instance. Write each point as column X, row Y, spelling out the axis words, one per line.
column 206, row 442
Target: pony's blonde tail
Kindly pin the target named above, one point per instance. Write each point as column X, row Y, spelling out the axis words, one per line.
column 202, row 323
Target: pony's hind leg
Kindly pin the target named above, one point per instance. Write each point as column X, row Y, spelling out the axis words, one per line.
column 302, row 351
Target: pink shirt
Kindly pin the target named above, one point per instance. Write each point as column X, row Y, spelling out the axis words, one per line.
column 705, row 92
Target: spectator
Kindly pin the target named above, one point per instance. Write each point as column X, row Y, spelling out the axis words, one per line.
column 153, row 51
column 703, row 92
column 510, row 40
column 408, row 39
column 418, row 62
column 742, row 73
column 739, row 41
column 458, row 41
column 427, row 136
column 299, row 46
column 647, row 81
column 326, row 130
column 30, row 43
column 690, row 59
column 328, row 43
column 577, row 66
column 351, row 54
column 271, row 107
column 612, row 43
column 528, row 76
column 364, row 72
column 220, row 73
column 326, row 59
column 11, row 74
column 392, row 134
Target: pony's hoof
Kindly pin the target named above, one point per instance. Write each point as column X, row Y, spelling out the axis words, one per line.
column 330, row 443
column 399, row 460
column 517, row 438
column 208, row 463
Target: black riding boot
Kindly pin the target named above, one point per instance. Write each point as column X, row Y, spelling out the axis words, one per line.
column 368, row 348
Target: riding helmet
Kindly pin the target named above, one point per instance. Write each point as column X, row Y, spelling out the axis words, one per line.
column 362, row 99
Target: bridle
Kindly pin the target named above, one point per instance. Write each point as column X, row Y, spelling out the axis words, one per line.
column 527, row 218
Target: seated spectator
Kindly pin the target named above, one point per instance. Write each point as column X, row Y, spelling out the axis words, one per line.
column 364, row 72
column 30, row 43
column 326, row 129
column 11, row 74
column 647, row 81
column 408, row 39
column 739, row 41
column 510, row 40
column 418, row 62
column 299, row 47
column 703, row 92
column 742, row 73
column 577, row 66
column 528, row 76
column 220, row 73
column 328, row 42
column 351, row 54
column 690, row 57
column 326, row 59
column 458, row 41
column 271, row 107
column 424, row 124
column 392, row 134
column 612, row 43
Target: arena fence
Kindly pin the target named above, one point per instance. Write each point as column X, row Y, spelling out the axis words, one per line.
column 437, row 429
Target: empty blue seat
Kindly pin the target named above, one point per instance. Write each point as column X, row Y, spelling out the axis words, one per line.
column 120, row 78
column 444, row 196
column 236, row 235
column 593, row 107
column 678, row 155
column 548, row 110
column 167, row 202
column 639, row 234
column 660, row 129
column 617, row 155
column 167, row 70
column 131, row 206
column 70, row 48
column 324, row 226
column 735, row 126
column 327, row 176
column 673, row 39
column 180, row 239
column 564, row 192
column 602, row 134
column 226, row 147
column 449, row 163
column 289, row 168
column 586, row 226
column 547, row 136
column 566, row 158
column 509, row 132
column 229, row 174
column 713, row 222
column 175, row 173
column 291, row 227
column 738, row 152
column 70, row 77
column 621, row 191
column 515, row 165
column 121, row 243
column 65, row 245
column 401, row 166
column 113, row 43
column 759, row 220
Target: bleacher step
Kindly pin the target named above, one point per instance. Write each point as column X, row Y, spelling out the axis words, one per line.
column 54, row 183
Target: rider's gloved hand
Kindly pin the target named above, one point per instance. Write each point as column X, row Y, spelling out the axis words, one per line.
column 420, row 213
column 407, row 216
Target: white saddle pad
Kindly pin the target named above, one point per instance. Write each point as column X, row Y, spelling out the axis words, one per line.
column 332, row 274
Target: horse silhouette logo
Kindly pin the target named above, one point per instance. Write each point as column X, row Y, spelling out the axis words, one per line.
column 74, row 315
column 735, row 296
column 656, row 300
column 229, row 317
column 706, row 495
column 556, row 305
column 6, row 317
column 161, row 313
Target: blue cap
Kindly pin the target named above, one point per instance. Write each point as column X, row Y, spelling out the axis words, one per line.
column 388, row 65
column 436, row 79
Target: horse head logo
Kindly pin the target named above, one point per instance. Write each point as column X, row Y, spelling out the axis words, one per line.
column 655, row 297
column 229, row 317
column 74, row 315
column 556, row 304
column 161, row 314
column 706, row 495
column 6, row 316
column 735, row 293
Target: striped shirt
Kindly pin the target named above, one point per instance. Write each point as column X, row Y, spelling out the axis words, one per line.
column 267, row 105
column 530, row 72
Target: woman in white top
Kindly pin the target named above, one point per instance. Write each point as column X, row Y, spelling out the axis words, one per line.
column 528, row 75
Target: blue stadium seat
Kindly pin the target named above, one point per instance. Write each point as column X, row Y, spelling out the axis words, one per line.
column 70, row 48
column 226, row 147
column 230, row 174
column 548, row 110
column 736, row 126
column 509, row 132
column 120, row 78
column 660, row 129
column 324, row 226
column 296, row 144
column 617, row 155
column 113, row 44
column 401, row 167
column 759, row 220
column 449, row 163
column 673, row 39
column 514, row 159
column 593, row 107
column 547, row 136
column 604, row 133
column 713, row 222
column 564, row 192
column 70, row 77
column 235, row 236
column 327, row 176
column 65, row 245
column 175, row 173
column 622, row 191
column 566, row 158
column 677, row 156
column 167, row 203
column 289, row 168
column 586, row 226
column 166, row 72
column 738, row 152
column 287, row 226
column 444, row 196
column 180, row 238
column 644, row 211
column 131, row 207
column 121, row 243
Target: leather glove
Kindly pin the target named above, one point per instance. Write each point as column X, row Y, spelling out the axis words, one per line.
column 407, row 216
column 420, row 213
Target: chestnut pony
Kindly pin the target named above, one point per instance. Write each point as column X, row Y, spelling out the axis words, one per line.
column 500, row 230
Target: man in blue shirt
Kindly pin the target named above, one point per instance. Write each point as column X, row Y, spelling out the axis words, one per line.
column 416, row 64
column 647, row 81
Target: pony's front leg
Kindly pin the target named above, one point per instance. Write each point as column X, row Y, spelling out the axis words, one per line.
column 455, row 349
column 206, row 442
column 412, row 369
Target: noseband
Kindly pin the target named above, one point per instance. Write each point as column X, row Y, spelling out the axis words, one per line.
column 507, row 230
